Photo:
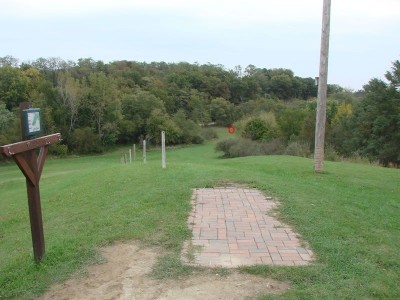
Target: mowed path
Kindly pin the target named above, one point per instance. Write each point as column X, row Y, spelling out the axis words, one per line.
column 233, row 227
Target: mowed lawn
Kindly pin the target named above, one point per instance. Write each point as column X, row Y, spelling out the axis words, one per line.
column 350, row 216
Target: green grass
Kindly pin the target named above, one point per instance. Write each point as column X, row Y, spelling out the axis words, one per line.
column 349, row 215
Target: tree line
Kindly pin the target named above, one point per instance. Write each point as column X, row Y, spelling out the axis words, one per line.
column 96, row 104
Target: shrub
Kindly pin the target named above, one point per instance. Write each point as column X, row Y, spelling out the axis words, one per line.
column 85, row 141
column 261, row 128
column 190, row 131
column 209, row 134
column 244, row 147
column 298, row 148
column 59, row 150
column 256, row 130
column 331, row 154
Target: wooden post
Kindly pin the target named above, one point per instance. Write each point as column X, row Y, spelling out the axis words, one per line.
column 322, row 90
column 31, row 164
column 144, row 151
column 163, row 155
column 130, row 156
column 134, row 152
column 125, row 160
column 35, row 209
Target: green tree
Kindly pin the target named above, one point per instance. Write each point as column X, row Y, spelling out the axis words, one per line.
column 282, row 86
column 6, row 117
column 290, row 122
column 14, row 86
column 223, row 112
column 341, row 133
column 136, row 110
column 8, row 60
column 394, row 75
column 7, row 125
column 159, row 121
column 377, row 123
column 191, row 132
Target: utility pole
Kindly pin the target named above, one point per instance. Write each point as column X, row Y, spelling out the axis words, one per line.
column 322, row 90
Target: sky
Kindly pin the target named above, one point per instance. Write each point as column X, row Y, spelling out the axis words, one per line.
column 364, row 35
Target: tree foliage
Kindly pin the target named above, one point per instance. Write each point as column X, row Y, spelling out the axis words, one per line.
column 126, row 101
column 377, row 123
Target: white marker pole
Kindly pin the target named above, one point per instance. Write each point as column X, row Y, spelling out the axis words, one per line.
column 163, row 156
column 144, row 151
column 130, row 155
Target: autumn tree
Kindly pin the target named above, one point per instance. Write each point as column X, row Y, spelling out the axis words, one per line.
column 70, row 92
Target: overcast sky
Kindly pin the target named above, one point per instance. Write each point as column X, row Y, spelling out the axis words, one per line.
column 365, row 34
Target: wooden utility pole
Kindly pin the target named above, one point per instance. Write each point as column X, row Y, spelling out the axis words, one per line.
column 322, row 90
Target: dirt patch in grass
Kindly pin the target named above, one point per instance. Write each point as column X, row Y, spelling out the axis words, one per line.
column 125, row 275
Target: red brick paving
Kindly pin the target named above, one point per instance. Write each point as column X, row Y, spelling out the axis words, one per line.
column 231, row 227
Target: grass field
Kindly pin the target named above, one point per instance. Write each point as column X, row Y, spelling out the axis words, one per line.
column 349, row 215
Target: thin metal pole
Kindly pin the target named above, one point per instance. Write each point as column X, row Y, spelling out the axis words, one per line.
column 322, row 90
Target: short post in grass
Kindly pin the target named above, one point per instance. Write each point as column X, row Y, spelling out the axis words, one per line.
column 163, row 155
column 31, row 163
column 134, row 152
column 130, row 156
column 144, row 151
column 125, row 160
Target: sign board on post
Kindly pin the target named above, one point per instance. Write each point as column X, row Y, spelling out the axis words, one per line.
column 32, row 126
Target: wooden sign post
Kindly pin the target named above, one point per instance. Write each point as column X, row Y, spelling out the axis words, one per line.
column 31, row 164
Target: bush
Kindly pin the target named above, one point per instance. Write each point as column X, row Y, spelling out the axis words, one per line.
column 85, row 141
column 298, row 149
column 243, row 147
column 190, row 131
column 59, row 150
column 331, row 154
column 256, row 130
column 261, row 128
column 209, row 134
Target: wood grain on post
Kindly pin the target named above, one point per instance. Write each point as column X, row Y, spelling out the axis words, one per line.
column 322, row 90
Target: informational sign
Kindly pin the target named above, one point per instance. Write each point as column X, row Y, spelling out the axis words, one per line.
column 32, row 121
